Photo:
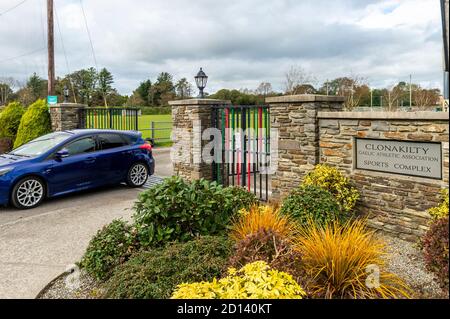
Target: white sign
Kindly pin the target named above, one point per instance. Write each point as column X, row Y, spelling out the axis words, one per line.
column 400, row 157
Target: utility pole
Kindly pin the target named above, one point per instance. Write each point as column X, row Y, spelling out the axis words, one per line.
column 51, row 49
column 371, row 99
column 410, row 93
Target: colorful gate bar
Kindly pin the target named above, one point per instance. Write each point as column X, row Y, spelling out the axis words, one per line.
column 242, row 155
column 111, row 118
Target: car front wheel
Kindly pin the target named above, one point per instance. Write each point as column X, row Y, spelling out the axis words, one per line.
column 137, row 175
column 28, row 193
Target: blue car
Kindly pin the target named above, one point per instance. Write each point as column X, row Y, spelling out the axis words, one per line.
column 64, row 162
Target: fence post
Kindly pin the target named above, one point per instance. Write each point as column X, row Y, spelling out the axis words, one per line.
column 67, row 116
column 295, row 118
column 152, row 128
column 190, row 118
column 136, row 118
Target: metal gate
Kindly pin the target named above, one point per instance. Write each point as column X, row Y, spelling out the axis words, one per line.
column 245, row 147
column 110, row 118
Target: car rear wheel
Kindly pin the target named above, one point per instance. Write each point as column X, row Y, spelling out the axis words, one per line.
column 137, row 175
column 28, row 193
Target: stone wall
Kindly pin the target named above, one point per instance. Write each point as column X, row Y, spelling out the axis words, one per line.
column 295, row 118
column 66, row 116
column 190, row 118
column 394, row 203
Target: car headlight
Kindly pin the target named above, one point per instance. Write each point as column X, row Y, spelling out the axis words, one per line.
column 5, row 170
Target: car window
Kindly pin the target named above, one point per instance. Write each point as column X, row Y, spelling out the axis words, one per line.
column 108, row 141
column 41, row 145
column 84, row 145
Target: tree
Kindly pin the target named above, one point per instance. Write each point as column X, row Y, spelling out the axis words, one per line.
column 393, row 96
column 424, row 99
column 295, row 78
column 264, row 89
column 305, row 89
column 353, row 88
column 37, row 87
column 163, row 90
column 84, row 82
column 143, row 90
column 105, row 81
column 135, row 100
column 183, row 88
column 7, row 85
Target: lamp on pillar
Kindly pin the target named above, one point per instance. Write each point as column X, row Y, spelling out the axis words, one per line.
column 200, row 79
column 66, row 94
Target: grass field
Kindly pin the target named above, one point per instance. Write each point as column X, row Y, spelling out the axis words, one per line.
column 145, row 122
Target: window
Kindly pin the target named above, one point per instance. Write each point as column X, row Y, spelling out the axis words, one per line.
column 84, row 145
column 108, row 141
column 41, row 145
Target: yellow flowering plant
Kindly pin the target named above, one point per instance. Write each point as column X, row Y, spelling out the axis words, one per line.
column 253, row 281
column 441, row 210
column 332, row 180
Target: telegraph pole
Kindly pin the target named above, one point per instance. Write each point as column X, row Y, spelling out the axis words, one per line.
column 51, row 49
column 410, row 92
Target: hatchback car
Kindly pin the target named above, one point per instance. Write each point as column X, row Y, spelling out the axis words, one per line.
column 64, row 162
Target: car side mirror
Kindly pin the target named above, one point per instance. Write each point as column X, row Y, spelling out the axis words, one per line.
column 61, row 154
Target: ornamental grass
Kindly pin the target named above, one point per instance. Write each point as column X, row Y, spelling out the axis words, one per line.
column 346, row 261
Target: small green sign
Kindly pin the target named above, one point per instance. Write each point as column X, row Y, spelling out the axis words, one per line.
column 52, row 99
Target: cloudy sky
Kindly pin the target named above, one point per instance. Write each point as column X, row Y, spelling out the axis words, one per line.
column 239, row 43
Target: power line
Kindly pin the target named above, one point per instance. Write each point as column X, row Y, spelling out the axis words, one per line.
column 22, row 55
column 12, row 8
column 89, row 34
column 92, row 46
column 65, row 56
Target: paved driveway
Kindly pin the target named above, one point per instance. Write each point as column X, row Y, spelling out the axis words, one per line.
column 38, row 244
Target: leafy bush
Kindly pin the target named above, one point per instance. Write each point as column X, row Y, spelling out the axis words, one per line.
column 332, row 180
column 261, row 218
column 111, row 246
column 340, row 259
column 272, row 248
column 435, row 248
column 178, row 210
column 156, row 273
column 312, row 202
column 34, row 123
column 253, row 281
column 10, row 120
column 441, row 210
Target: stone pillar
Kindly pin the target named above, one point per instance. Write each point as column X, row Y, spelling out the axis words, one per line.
column 67, row 116
column 295, row 117
column 190, row 118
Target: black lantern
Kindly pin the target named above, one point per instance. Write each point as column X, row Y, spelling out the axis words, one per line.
column 200, row 79
column 66, row 94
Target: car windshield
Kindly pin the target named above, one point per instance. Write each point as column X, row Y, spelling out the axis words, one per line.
column 41, row 145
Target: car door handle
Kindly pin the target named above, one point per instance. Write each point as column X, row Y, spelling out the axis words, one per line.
column 90, row 160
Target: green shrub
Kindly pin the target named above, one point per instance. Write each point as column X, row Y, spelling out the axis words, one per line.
column 111, row 246
column 34, row 123
column 178, row 210
column 332, row 180
column 312, row 202
column 156, row 273
column 436, row 250
column 10, row 120
column 253, row 281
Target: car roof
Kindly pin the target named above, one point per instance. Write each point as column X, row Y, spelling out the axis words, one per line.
column 80, row 132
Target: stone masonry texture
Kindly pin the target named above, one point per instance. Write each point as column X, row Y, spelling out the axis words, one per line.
column 186, row 150
column 393, row 203
column 66, row 116
column 295, row 118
